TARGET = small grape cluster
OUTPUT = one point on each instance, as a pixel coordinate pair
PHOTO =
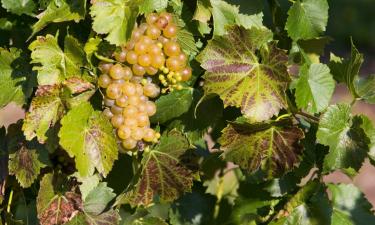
(152, 50)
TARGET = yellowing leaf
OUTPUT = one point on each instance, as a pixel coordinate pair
(115, 18)
(243, 78)
(162, 172)
(270, 148)
(88, 136)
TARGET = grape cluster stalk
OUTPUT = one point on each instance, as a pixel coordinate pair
(150, 59)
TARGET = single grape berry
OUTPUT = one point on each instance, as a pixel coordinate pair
(122, 101)
(124, 132)
(185, 74)
(117, 120)
(116, 109)
(113, 91)
(132, 57)
(120, 56)
(161, 22)
(148, 134)
(137, 133)
(144, 60)
(104, 67)
(153, 32)
(151, 18)
(130, 111)
(129, 143)
(170, 31)
(128, 89)
(104, 80)
(117, 72)
(172, 48)
(138, 70)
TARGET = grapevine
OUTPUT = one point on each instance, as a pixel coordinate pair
(184, 112)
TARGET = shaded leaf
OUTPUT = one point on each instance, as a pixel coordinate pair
(45, 110)
(345, 138)
(19, 7)
(53, 64)
(247, 211)
(115, 18)
(314, 88)
(162, 172)
(186, 40)
(25, 165)
(172, 105)
(307, 19)
(13, 78)
(243, 79)
(271, 148)
(98, 198)
(142, 217)
(79, 219)
(88, 136)
(347, 71)
(60, 11)
(365, 88)
(349, 205)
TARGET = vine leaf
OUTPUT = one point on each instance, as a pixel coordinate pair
(314, 88)
(143, 217)
(56, 205)
(14, 85)
(88, 136)
(268, 147)
(53, 64)
(162, 172)
(243, 79)
(149, 6)
(95, 205)
(348, 145)
(60, 11)
(347, 71)
(25, 165)
(19, 7)
(186, 40)
(115, 18)
(307, 19)
(225, 14)
(45, 110)
(349, 205)
(172, 105)
(365, 88)
(369, 129)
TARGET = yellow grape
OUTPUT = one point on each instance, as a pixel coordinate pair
(122, 101)
(158, 61)
(137, 34)
(121, 56)
(130, 122)
(104, 80)
(143, 98)
(138, 89)
(151, 18)
(172, 48)
(127, 73)
(142, 119)
(142, 107)
(138, 70)
(146, 40)
(154, 49)
(148, 134)
(161, 23)
(117, 72)
(151, 70)
(117, 120)
(104, 67)
(108, 102)
(170, 31)
(128, 89)
(129, 143)
(153, 32)
(140, 47)
(133, 100)
(167, 16)
(144, 60)
(107, 112)
(116, 109)
(185, 74)
(137, 133)
(113, 91)
(124, 132)
(130, 45)
(130, 111)
(150, 108)
(132, 57)
(151, 90)
(143, 27)
(174, 64)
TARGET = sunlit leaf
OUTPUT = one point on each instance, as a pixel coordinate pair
(19, 7)
(243, 78)
(88, 136)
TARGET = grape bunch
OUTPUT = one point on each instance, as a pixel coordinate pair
(151, 58)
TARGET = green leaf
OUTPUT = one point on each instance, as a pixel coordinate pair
(13, 82)
(345, 138)
(88, 136)
(149, 6)
(225, 14)
(54, 65)
(110, 217)
(307, 19)
(369, 129)
(365, 88)
(243, 78)
(347, 71)
(142, 217)
(25, 165)
(162, 173)
(19, 7)
(349, 205)
(186, 40)
(79, 219)
(268, 147)
(115, 18)
(45, 110)
(98, 198)
(60, 11)
(88, 183)
(247, 211)
(314, 88)
(172, 105)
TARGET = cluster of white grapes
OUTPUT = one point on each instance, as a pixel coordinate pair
(129, 88)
